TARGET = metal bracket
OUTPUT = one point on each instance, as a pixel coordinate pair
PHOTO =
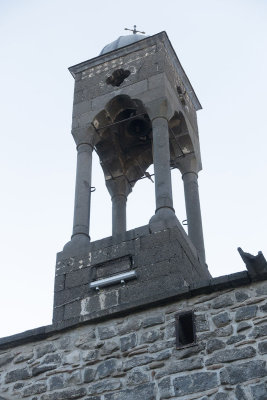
(112, 280)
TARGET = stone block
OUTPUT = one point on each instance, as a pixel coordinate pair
(241, 295)
(246, 312)
(259, 391)
(107, 368)
(194, 383)
(175, 367)
(77, 278)
(23, 357)
(202, 323)
(136, 361)
(136, 377)
(230, 355)
(235, 339)
(223, 301)
(56, 382)
(142, 392)
(67, 394)
(132, 324)
(150, 336)
(240, 393)
(73, 358)
(214, 344)
(262, 347)
(165, 388)
(40, 369)
(128, 342)
(40, 351)
(106, 332)
(51, 359)
(259, 331)
(89, 374)
(243, 326)
(36, 388)
(106, 385)
(17, 375)
(243, 372)
(221, 396)
(221, 319)
(152, 320)
(109, 347)
(59, 283)
(6, 358)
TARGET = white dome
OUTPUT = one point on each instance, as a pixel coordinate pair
(121, 42)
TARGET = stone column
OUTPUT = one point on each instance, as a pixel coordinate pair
(188, 168)
(81, 219)
(85, 139)
(119, 188)
(164, 215)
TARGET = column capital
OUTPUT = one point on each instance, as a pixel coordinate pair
(85, 135)
(119, 186)
(159, 108)
(187, 164)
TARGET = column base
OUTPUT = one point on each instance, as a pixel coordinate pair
(77, 244)
(163, 218)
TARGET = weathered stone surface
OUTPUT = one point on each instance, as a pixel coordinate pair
(244, 325)
(165, 388)
(221, 396)
(246, 312)
(136, 377)
(201, 323)
(36, 388)
(90, 356)
(72, 358)
(259, 331)
(40, 369)
(235, 339)
(106, 332)
(128, 342)
(150, 336)
(221, 319)
(142, 392)
(223, 301)
(130, 325)
(152, 320)
(109, 347)
(6, 358)
(214, 344)
(89, 374)
(224, 331)
(44, 349)
(241, 295)
(107, 368)
(158, 346)
(136, 361)
(190, 351)
(240, 393)
(56, 382)
(67, 394)
(262, 347)
(259, 391)
(242, 372)
(180, 366)
(231, 355)
(23, 357)
(104, 386)
(198, 382)
(17, 375)
(51, 359)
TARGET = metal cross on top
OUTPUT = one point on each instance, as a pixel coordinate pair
(134, 30)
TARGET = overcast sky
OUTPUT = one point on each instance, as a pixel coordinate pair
(222, 47)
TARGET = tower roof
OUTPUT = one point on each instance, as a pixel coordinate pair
(121, 42)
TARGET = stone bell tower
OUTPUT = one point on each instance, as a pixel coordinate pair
(134, 106)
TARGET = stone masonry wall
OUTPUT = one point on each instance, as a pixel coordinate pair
(135, 357)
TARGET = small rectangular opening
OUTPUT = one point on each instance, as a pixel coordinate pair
(185, 328)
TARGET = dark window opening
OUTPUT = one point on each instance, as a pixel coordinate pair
(185, 329)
